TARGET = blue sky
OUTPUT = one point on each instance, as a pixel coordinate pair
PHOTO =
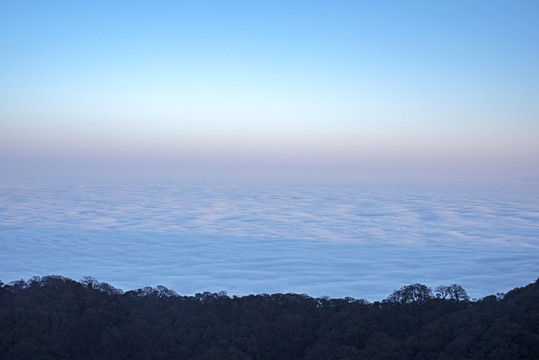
(358, 89)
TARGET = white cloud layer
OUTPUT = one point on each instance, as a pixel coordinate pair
(348, 240)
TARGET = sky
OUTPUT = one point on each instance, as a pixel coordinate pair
(318, 91)
(343, 89)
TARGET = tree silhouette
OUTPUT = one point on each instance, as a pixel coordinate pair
(411, 293)
(442, 291)
(457, 293)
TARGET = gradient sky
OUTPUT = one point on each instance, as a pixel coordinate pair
(385, 89)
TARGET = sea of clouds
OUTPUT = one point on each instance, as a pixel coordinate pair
(359, 240)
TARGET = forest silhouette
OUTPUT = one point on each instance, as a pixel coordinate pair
(54, 317)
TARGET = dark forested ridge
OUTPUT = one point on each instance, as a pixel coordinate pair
(57, 318)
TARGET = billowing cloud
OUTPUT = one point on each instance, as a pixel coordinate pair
(347, 240)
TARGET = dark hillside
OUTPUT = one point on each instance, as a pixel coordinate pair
(58, 318)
